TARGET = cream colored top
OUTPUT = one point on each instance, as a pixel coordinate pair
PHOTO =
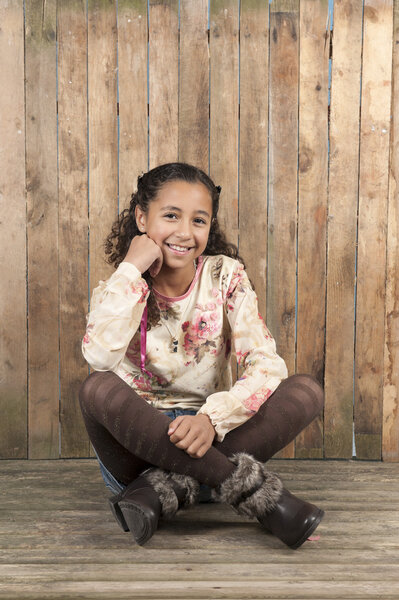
(188, 354)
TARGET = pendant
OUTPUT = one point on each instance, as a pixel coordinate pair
(173, 345)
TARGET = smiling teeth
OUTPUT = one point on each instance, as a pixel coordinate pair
(178, 248)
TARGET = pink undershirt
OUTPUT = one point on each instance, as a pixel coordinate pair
(143, 323)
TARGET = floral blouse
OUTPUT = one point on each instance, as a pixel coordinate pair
(187, 360)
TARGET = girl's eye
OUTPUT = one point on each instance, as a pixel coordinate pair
(170, 216)
(200, 221)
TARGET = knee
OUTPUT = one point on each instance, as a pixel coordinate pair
(313, 387)
(90, 387)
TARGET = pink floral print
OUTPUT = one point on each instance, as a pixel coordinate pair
(255, 401)
(138, 287)
(201, 332)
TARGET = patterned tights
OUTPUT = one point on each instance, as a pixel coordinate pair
(129, 435)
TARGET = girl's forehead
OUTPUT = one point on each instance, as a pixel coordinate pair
(183, 192)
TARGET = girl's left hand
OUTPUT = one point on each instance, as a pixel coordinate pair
(192, 433)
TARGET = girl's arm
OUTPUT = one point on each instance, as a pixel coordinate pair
(117, 306)
(256, 353)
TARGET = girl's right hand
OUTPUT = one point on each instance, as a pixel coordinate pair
(145, 254)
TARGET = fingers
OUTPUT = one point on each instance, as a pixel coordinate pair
(189, 434)
(196, 451)
(174, 424)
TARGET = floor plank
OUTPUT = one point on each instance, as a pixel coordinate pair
(58, 539)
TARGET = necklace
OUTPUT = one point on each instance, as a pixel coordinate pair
(174, 343)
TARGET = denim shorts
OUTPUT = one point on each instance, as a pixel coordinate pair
(116, 486)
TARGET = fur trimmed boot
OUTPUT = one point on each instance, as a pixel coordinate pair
(255, 492)
(153, 494)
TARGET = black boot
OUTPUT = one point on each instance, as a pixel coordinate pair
(257, 493)
(154, 494)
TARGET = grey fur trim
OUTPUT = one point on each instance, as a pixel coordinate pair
(250, 474)
(190, 485)
(159, 479)
(164, 483)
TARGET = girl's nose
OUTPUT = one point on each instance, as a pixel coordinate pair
(183, 231)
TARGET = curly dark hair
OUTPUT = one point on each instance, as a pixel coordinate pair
(148, 185)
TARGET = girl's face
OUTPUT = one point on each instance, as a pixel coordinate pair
(178, 220)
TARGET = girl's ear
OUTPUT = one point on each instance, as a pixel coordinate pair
(141, 219)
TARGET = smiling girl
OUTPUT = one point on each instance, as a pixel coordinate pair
(161, 409)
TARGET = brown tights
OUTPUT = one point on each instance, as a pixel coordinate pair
(129, 435)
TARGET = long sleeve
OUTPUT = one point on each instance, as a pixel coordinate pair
(255, 350)
(116, 309)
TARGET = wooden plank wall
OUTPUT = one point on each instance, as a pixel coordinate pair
(297, 121)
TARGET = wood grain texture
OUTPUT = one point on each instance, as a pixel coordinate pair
(133, 106)
(194, 84)
(103, 132)
(373, 191)
(54, 545)
(283, 159)
(390, 421)
(224, 49)
(164, 78)
(254, 92)
(312, 207)
(342, 223)
(42, 234)
(13, 331)
(73, 219)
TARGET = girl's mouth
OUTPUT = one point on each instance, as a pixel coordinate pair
(176, 249)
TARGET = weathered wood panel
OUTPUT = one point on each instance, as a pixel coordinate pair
(373, 191)
(390, 421)
(103, 131)
(13, 335)
(224, 47)
(342, 223)
(254, 95)
(164, 77)
(42, 234)
(73, 221)
(133, 111)
(283, 160)
(194, 84)
(207, 551)
(312, 202)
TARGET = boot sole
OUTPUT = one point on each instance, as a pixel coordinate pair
(309, 531)
(141, 525)
(116, 511)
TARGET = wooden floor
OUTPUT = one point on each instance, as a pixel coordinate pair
(59, 539)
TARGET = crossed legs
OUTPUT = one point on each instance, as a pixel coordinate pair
(129, 435)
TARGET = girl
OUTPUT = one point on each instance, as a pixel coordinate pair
(160, 409)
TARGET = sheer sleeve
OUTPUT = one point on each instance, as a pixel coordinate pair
(255, 350)
(116, 309)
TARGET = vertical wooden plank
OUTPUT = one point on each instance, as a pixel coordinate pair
(390, 422)
(312, 206)
(164, 81)
(73, 221)
(103, 131)
(42, 197)
(373, 190)
(13, 339)
(133, 106)
(254, 54)
(224, 47)
(342, 219)
(194, 83)
(283, 158)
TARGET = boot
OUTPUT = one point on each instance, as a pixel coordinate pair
(153, 494)
(254, 491)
